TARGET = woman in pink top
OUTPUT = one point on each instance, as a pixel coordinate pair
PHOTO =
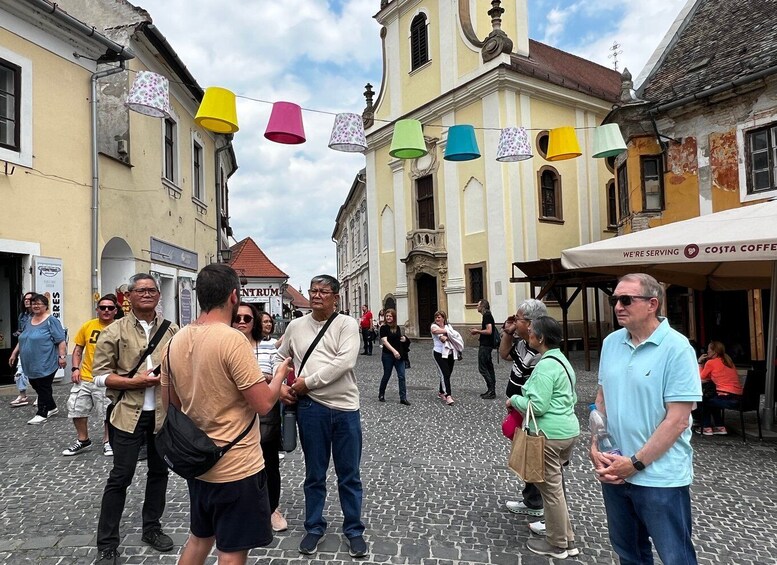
(718, 367)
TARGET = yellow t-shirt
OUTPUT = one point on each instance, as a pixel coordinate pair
(210, 366)
(87, 338)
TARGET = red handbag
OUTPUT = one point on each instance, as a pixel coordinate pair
(512, 422)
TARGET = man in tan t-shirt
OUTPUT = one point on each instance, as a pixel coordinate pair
(210, 373)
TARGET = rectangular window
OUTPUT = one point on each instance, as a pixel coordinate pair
(652, 182)
(198, 181)
(476, 283)
(761, 147)
(612, 205)
(623, 192)
(425, 202)
(10, 105)
(170, 150)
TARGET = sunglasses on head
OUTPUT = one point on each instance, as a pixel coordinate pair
(243, 318)
(626, 299)
(107, 308)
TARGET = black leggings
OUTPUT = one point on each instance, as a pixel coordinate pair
(272, 468)
(43, 386)
(444, 370)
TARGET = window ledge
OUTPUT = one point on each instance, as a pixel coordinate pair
(173, 191)
(546, 220)
(422, 67)
(472, 306)
(202, 208)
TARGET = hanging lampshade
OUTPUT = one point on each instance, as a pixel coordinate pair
(285, 125)
(348, 134)
(408, 140)
(562, 144)
(462, 144)
(218, 111)
(608, 141)
(149, 95)
(513, 145)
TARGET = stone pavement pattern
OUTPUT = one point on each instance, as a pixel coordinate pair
(435, 483)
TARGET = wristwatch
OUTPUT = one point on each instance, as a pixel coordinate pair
(73, 369)
(638, 465)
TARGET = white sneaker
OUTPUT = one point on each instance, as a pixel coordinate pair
(518, 507)
(107, 449)
(37, 420)
(538, 528)
(53, 412)
(281, 456)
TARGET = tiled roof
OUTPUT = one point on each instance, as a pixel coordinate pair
(719, 42)
(570, 71)
(297, 300)
(250, 261)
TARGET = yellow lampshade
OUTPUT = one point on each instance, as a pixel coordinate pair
(218, 111)
(562, 144)
(408, 140)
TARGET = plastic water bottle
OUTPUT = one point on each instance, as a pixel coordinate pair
(289, 425)
(597, 423)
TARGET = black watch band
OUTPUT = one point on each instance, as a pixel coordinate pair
(74, 369)
(638, 465)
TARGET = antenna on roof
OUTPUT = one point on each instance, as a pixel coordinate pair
(616, 50)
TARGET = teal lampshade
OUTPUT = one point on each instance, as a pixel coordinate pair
(408, 140)
(608, 141)
(462, 144)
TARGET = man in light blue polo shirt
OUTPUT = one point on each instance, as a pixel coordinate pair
(648, 385)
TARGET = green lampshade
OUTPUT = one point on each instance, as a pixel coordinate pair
(408, 141)
(608, 141)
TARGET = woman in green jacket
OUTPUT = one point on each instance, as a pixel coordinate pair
(551, 391)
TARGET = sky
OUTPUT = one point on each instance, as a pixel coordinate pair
(320, 54)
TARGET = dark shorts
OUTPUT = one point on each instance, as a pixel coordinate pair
(237, 513)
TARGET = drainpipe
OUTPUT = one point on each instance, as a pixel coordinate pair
(96, 174)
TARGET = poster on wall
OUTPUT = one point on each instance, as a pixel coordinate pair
(49, 280)
(185, 301)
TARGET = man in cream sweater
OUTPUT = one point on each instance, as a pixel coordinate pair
(328, 412)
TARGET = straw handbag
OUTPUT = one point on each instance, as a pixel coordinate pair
(527, 456)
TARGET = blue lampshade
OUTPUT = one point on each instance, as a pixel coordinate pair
(462, 145)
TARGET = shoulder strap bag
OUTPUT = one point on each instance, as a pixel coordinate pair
(289, 420)
(185, 448)
(155, 339)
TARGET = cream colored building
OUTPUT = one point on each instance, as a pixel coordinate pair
(444, 234)
(156, 180)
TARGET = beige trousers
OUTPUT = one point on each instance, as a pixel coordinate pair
(558, 527)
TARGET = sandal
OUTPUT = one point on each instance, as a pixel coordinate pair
(20, 401)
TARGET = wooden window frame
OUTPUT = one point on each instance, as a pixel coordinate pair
(771, 152)
(612, 204)
(624, 210)
(660, 168)
(16, 144)
(544, 134)
(198, 173)
(471, 300)
(170, 149)
(419, 41)
(559, 217)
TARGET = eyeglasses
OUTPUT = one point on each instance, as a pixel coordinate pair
(145, 291)
(319, 292)
(528, 320)
(626, 299)
(107, 308)
(37, 304)
(243, 319)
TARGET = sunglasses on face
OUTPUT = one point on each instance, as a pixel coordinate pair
(107, 308)
(626, 299)
(243, 318)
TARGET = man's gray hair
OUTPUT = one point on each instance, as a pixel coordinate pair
(650, 287)
(531, 308)
(135, 279)
(326, 280)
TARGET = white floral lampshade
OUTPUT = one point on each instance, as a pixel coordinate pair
(150, 95)
(513, 145)
(348, 134)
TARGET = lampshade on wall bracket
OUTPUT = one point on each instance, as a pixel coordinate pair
(218, 111)
(408, 140)
(149, 95)
(562, 144)
(462, 144)
(348, 134)
(608, 141)
(513, 145)
(285, 125)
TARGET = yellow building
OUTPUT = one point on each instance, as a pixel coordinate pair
(445, 234)
(84, 209)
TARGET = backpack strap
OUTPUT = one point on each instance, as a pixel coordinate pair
(557, 360)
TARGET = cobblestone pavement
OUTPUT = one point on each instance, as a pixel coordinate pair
(435, 483)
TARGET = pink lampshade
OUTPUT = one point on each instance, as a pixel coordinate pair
(348, 134)
(285, 125)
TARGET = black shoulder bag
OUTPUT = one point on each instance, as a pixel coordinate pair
(289, 425)
(186, 449)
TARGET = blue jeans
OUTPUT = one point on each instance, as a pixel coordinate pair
(390, 363)
(711, 408)
(325, 432)
(635, 514)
